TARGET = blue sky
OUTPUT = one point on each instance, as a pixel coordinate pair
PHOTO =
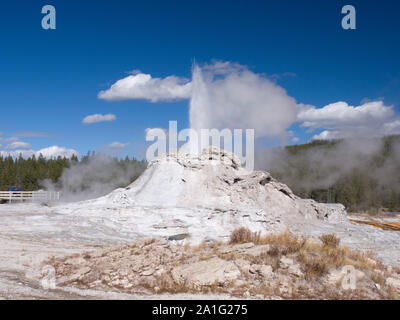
(50, 79)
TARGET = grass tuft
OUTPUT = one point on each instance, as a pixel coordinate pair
(330, 240)
(244, 235)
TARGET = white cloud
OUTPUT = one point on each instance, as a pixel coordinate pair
(118, 145)
(340, 120)
(143, 86)
(49, 152)
(18, 145)
(55, 151)
(17, 153)
(94, 118)
(341, 114)
(326, 135)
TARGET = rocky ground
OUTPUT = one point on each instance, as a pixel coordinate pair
(191, 205)
(274, 267)
(29, 236)
(93, 259)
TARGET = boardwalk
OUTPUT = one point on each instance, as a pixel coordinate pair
(21, 196)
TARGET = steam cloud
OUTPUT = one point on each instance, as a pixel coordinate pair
(95, 177)
(329, 164)
(228, 95)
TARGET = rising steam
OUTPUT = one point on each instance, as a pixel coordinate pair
(94, 177)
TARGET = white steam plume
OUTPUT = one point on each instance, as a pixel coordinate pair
(228, 95)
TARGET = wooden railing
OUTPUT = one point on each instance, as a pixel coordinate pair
(13, 196)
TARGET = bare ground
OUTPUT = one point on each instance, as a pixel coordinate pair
(28, 240)
(35, 237)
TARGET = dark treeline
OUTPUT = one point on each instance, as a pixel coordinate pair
(34, 173)
(364, 175)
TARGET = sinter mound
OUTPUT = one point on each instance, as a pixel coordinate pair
(207, 196)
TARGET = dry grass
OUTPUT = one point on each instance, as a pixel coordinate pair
(316, 259)
(313, 267)
(244, 235)
(330, 240)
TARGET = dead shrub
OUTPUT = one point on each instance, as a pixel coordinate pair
(335, 257)
(330, 240)
(314, 267)
(274, 251)
(243, 235)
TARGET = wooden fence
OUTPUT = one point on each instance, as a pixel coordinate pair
(31, 196)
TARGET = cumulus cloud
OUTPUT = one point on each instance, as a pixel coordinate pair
(95, 118)
(326, 135)
(49, 152)
(117, 145)
(18, 145)
(144, 86)
(55, 151)
(17, 153)
(340, 120)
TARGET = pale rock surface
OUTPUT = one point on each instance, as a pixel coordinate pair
(285, 287)
(295, 270)
(292, 267)
(206, 273)
(243, 265)
(285, 262)
(263, 270)
(394, 282)
(336, 276)
(258, 250)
